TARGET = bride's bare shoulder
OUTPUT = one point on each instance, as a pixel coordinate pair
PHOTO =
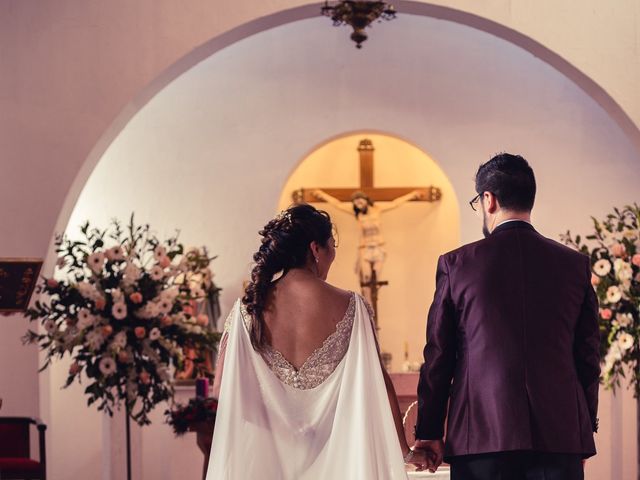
(330, 291)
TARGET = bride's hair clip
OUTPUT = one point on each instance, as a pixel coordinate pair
(285, 215)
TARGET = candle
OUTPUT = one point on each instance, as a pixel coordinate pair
(202, 387)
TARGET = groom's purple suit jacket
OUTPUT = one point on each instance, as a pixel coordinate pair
(512, 347)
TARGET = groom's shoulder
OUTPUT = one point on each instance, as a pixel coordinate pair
(465, 249)
(480, 247)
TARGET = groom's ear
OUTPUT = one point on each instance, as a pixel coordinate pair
(491, 202)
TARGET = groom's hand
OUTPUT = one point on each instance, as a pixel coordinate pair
(434, 451)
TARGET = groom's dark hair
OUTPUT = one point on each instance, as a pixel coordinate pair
(511, 179)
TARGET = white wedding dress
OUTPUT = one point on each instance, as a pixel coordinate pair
(330, 419)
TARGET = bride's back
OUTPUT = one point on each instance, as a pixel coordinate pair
(300, 313)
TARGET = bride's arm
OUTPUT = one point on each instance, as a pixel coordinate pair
(222, 348)
(391, 391)
(395, 410)
(217, 379)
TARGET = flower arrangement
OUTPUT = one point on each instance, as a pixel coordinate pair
(121, 306)
(614, 249)
(199, 409)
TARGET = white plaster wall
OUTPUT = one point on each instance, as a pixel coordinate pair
(69, 67)
(211, 154)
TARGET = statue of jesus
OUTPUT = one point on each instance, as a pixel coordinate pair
(371, 248)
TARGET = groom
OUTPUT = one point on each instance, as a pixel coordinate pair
(512, 346)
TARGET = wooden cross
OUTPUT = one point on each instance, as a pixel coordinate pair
(374, 286)
(429, 194)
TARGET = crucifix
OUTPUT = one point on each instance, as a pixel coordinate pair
(361, 203)
(374, 285)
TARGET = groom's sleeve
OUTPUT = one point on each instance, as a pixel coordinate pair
(439, 360)
(586, 349)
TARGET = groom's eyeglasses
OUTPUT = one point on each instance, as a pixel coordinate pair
(475, 202)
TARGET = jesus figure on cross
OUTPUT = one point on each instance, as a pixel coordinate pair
(371, 248)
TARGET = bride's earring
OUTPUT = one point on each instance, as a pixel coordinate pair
(317, 269)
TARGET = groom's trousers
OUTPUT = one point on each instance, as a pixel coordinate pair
(517, 466)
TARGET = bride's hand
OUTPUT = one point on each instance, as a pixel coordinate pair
(417, 458)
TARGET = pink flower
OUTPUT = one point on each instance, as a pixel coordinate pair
(119, 311)
(123, 356)
(107, 330)
(140, 332)
(52, 283)
(202, 319)
(144, 377)
(606, 314)
(188, 310)
(100, 303)
(595, 280)
(164, 262)
(618, 250)
(636, 259)
(166, 321)
(136, 297)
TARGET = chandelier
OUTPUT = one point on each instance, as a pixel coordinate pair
(359, 14)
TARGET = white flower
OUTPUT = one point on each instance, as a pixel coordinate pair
(197, 292)
(196, 329)
(85, 319)
(159, 252)
(157, 273)
(623, 269)
(615, 351)
(609, 361)
(625, 341)
(154, 334)
(170, 293)
(602, 267)
(131, 274)
(624, 319)
(119, 311)
(107, 366)
(95, 339)
(115, 253)
(50, 326)
(119, 340)
(613, 294)
(96, 262)
(61, 262)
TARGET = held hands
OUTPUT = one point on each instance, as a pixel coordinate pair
(431, 452)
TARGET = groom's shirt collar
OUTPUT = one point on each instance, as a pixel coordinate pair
(513, 220)
(513, 223)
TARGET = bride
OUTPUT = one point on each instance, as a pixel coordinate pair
(302, 391)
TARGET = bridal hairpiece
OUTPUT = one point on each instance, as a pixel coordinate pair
(285, 215)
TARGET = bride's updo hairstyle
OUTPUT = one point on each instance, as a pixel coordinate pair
(285, 245)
